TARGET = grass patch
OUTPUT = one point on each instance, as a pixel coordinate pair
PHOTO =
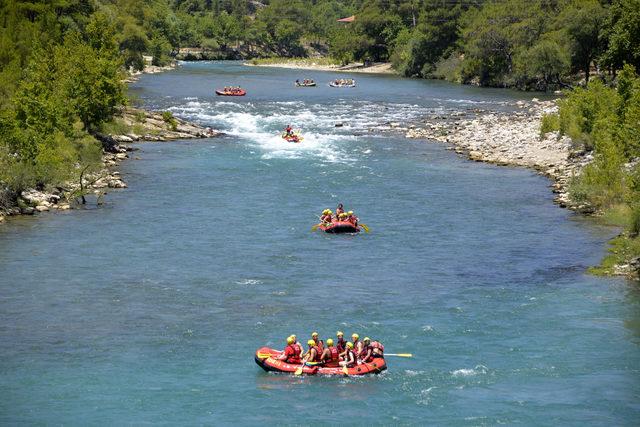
(624, 248)
(116, 126)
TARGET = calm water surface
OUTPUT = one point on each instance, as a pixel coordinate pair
(149, 310)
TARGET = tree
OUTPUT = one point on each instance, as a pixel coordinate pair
(623, 34)
(583, 22)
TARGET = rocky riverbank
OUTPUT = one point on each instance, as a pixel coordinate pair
(510, 139)
(142, 126)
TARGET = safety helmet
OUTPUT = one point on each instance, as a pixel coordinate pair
(339, 334)
(350, 212)
(329, 342)
(290, 340)
(329, 211)
(350, 344)
(355, 336)
(315, 334)
(366, 339)
(311, 343)
(294, 337)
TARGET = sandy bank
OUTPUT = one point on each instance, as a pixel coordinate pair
(377, 68)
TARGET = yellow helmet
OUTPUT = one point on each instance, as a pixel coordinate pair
(350, 212)
(290, 340)
(355, 336)
(294, 337)
(329, 211)
(315, 334)
(350, 344)
(339, 334)
(329, 342)
(311, 343)
(366, 339)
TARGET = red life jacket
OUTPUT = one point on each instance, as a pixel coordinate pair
(320, 346)
(293, 356)
(341, 345)
(334, 354)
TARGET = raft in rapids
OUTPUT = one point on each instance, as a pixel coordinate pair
(239, 92)
(266, 358)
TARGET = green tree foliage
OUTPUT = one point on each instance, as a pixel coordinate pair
(607, 121)
(67, 84)
(622, 34)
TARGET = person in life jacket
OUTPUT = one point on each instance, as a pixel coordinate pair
(312, 354)
(341, 344)
(366, 354)
(326, 216)
(339, 210)
(348, 356)
(330, 355)
(288, 131)
(290, 353)
(357, 345)
(342, 216)
(297, 346)
(377, 349)
(319, 342)
(352, 218)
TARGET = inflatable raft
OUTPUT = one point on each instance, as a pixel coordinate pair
(293, 138)
(240, 92)
(339, 227)
(334, 84)
(266, 358)
(312, 84)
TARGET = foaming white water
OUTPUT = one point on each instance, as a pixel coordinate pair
(262, 125)
(478, 370)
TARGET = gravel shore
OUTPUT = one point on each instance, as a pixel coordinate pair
(510, 139)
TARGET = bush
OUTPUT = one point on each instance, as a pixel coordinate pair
(550, 123)
(168, 118)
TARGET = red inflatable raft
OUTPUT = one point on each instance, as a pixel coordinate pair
(339, 227)
(266, 359)
(240, 92)
(292, 138)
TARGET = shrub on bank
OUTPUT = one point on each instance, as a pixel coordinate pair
(606, 120)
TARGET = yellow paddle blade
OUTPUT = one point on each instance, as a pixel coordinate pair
(315, 227)
(364, 227)
(399, 354)
(263, 355)
(298, 371)
(345, 370)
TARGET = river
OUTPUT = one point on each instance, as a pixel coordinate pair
(149, 309)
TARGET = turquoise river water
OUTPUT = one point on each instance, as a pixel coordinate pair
(149, 309)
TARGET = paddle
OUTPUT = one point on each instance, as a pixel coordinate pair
(264, 355)
(299, 370)
(399, 354)
(364, 227)
(315, 227)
